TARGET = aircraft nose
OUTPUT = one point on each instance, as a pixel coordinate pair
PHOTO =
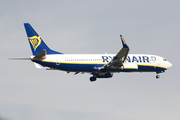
(169, 65)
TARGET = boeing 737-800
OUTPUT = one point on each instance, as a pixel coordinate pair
(98, 65)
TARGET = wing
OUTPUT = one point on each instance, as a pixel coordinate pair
(118, 60)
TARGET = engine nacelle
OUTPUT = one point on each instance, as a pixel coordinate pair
(104, 75)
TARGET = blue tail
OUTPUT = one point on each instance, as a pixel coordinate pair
(35, 41)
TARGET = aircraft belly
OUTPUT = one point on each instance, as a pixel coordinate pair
(150, 68)
(95, 67)
(71, 66)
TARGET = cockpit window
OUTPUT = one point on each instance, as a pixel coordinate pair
(164, 59)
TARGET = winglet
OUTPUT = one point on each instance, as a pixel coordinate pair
(123, 41)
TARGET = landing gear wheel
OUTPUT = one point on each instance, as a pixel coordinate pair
(92, 79)
(157, 76)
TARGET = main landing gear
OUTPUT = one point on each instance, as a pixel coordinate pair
(93, 78)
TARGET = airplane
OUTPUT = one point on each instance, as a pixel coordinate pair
(98, 65)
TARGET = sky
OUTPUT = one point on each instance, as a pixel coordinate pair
(89, 27)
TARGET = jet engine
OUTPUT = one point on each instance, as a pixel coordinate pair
(104, 75)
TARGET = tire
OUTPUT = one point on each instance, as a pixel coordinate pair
(92, 79)
(157, 76)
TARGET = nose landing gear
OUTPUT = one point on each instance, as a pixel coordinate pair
(157, 76)
(157, 72)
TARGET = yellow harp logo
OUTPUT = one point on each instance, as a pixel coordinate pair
(35, 41)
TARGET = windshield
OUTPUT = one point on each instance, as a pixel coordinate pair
(164, 59)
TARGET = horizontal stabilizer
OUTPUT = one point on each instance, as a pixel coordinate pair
(38, 65)
(19, 58)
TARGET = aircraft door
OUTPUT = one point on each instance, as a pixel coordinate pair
(57, 62)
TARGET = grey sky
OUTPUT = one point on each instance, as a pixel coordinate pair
(150, 27)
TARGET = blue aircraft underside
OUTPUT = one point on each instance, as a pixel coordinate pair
(95, 67)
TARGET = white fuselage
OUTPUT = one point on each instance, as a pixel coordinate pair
(93, 62)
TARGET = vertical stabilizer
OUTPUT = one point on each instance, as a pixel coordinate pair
(36, 42)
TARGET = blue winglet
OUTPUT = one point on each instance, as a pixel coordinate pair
(123, 41)
(36, 42)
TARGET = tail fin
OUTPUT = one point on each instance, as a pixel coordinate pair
(35, 41)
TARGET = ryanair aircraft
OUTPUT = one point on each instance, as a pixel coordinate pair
(98, 65)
